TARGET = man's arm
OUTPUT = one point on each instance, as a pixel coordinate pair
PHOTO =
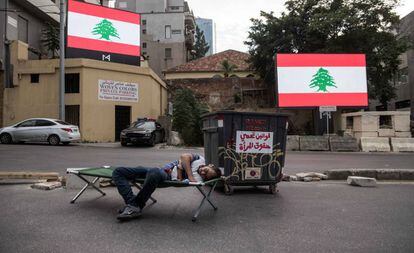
(185, 162)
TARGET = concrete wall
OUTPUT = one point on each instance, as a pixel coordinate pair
(97, 117)
(219, 93)
(195, 75)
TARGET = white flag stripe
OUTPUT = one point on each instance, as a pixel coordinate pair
(82, 26)
(298, 79)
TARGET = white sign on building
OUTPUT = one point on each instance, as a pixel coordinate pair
(117, 91)
(254, 142)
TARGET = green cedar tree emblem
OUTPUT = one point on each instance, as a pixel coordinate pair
(322, 80)
(105, 29)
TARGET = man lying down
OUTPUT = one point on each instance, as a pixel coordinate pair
(190, 168)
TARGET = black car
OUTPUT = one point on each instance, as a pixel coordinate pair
(145, 131)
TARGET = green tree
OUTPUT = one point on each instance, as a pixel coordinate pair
(187, 113)
(228, 68)
(50, 38)
(105, 29)
(332, 26)
(201, 47)
(322, 80)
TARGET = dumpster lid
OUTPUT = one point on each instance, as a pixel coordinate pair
(246, 113)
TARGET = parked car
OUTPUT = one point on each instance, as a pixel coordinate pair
(146, 131)
(53, 131)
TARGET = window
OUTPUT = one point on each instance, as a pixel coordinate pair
(42, 122)
(402, 104)
(144, 22)
(168, 53)
(175, 7)
(72, 83)
(23, 27)
(349, 122)
(123, 5)
(144, 31)
(34, 78)
(27, 123)
(168, 32)
(385, 122)
(176, 31)
(72, 113)
(144, 45)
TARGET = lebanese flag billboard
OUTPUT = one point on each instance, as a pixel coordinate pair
(312, 80)
(102, 33)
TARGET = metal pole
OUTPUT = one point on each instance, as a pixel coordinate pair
(62, 61)
(6, 52)
(328, 114)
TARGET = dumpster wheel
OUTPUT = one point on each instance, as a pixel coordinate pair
(273, 189)
(228, 189)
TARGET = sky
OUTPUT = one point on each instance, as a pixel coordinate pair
(232, 17)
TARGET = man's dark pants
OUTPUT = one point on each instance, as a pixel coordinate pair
(153, 177)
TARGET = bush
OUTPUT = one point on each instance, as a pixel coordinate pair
(187, 117)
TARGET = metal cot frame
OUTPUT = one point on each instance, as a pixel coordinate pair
(106, 172)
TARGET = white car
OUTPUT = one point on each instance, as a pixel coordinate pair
(53, 131)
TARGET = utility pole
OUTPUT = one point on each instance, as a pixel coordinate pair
(62, 61)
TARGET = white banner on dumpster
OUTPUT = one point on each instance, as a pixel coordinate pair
(254, 142)
(117, 91)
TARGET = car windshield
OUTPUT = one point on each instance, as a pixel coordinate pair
(63, 122)
(143, 124)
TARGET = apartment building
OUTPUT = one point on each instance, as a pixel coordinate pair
(209, 29)
(167, 31)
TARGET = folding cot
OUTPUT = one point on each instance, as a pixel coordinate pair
(106, 172)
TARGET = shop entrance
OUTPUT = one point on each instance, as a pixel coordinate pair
(122, 119)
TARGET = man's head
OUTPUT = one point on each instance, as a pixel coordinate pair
(208, 172)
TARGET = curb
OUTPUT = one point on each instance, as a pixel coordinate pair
(379, 174)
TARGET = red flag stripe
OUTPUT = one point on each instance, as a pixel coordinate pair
(322, 99)
(320, 60)
(103, 12)
(104, 46)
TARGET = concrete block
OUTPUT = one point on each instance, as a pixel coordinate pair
(302, 175)
(402, 144)
(292, 142)
(402, 123)
(175, 139)
(369, 122)
(359, 135)
(364, 172)
(386, 133)
(314, 143)
(338, 143)
(307, 179)
(371, 144)
(388, 174)
(362, 181)
(403, 134)
(47, 185)
(407, 174)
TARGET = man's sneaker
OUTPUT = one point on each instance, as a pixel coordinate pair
(130, 212)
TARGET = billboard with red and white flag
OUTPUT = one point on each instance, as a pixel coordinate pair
(102, 33)
(312, 80)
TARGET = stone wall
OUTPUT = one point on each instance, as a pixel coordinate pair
(225, 93)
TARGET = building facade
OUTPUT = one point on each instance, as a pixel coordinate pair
(102, 98)
(209, 29)
(167, 31)
(404, 82)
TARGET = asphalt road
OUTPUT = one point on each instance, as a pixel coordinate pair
(302, 217)
(41, 157)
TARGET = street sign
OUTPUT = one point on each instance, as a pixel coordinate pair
(327, 108)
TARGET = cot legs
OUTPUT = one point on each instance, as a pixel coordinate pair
(88, 183)
(206, 196)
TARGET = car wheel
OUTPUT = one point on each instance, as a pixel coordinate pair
(65, 143)
(124, 143)
(151, 141)
(53, 140)
(5, 138)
